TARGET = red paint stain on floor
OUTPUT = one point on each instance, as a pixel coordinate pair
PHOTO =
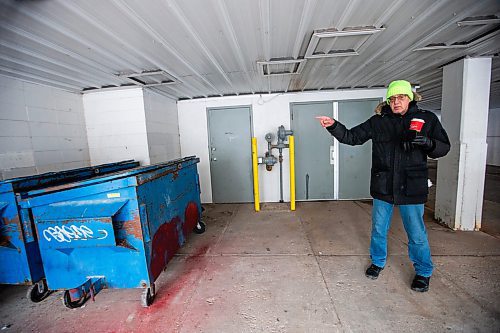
(192, 268)
(173, 295)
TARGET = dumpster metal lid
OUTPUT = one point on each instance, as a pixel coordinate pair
(81, 209)
(51, 173)
(34, 182)
(171, 167)
(113, 176)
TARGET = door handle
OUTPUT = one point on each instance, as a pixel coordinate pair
(332, 155)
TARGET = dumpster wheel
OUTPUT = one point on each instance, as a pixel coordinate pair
(148, 296)
(200, 227)
(73, 304)
(38, 292)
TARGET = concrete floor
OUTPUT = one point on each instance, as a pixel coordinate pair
(282, 271)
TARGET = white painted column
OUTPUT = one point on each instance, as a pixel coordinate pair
(464, 114)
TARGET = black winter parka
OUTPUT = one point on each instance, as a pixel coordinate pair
(397, 176)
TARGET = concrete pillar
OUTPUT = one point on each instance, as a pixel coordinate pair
(464, 114)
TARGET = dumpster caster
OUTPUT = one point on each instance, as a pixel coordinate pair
(39, 291)
(200, 228)
(147, 297)
(73, 304)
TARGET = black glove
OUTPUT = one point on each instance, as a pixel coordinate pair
(423, 142)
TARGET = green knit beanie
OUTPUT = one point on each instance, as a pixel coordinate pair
(399, 87)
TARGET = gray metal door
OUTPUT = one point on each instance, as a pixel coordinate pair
(230, 145)
(355, 161)
(313, 144)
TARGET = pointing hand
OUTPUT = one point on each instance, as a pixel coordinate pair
(325, 121)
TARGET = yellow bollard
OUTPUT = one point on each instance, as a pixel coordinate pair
(291, 145)
(255, 175)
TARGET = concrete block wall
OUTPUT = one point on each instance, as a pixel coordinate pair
(162, 126)
(116, 126)
(41, 129)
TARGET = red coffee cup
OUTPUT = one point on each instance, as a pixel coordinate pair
(416, 124)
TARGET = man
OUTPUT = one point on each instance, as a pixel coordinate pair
(403, 137)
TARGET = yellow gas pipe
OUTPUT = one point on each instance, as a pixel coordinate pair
(291, 145)
(255, 175)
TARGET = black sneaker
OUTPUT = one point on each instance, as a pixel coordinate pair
(373, 271)
(420, 283)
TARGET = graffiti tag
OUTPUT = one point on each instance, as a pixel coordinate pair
(72, 232)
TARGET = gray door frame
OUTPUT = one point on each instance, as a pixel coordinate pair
(335, 143)
(210, 139)
(338, 168)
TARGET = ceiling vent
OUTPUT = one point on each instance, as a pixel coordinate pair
(479, 20)
(442, 46)
(280, 66)
(485, 37)
(150, 78)
(349, 39)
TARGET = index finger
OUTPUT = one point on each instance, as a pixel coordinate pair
(322, 117)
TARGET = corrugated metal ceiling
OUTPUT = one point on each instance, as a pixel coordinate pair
(213, 47)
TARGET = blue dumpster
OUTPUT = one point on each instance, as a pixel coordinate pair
(20, 261)
(115, 231)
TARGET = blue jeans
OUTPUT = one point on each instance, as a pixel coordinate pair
(413, 221)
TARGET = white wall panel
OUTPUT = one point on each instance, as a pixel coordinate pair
(71, 118)
(19, 172)
(21, 143)
(15, 128)
(36, 123)
(71, 131)
(14, 160)
(43, 129)
(42, 143)
(114, 154)
(38, 114)
(49, 157)
(72, 143)
(12, 91)
(38, 96)
(72, 155)
(162, 127)
(116, 127)
(194, 139)
(115, 140)
(13, 110)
